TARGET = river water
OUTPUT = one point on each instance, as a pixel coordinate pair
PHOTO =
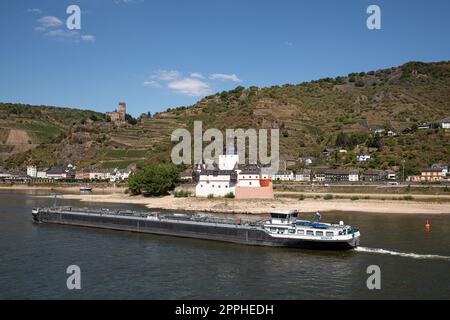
(414, 264)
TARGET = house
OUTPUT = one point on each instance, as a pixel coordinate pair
(442, 167)
(41, 173)
(118, 116)
(445, 123)
(318, 176)
(306, 160)
(83, 174)
(283, 176)
(336, 175)
(391, 133)
(253, 184)
(434, 172)
(216, 182)
(363, 157)
(56, 173)
(122, 174)
(391, 175)
(244, 182)
(99, 174)
(353, 176)
(303, 176)
(428, 175)
(4, 174)
(17, 177)
(32, 171)
(425, 125)
(374, 175)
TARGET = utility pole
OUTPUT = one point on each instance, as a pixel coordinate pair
(403, 170)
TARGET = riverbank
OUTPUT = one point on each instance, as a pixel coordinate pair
(370, 203)
(64, 188)
(266, 206)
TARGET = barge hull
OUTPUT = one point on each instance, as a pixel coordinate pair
(232, 233)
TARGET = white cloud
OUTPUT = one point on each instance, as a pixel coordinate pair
(197, 75)
(152, 83)
(34, 10)
(226, 77)
(190, 86)
(52, 27)
(194, 85)
(49, 22)
(166, 75)
(87, 37)
(63, 34)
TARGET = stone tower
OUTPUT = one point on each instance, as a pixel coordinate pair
(122, 111)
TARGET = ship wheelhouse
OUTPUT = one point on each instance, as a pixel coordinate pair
(287, 224)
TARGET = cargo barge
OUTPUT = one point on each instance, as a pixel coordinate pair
(282, 230)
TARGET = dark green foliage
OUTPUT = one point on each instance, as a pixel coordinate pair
(154, 180)
(130, 119)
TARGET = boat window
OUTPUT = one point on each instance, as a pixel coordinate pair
(273, 229)
(330, 234)
(291, 230)
(301, 231)
(281, 230)
(309, 232)
(319, 233)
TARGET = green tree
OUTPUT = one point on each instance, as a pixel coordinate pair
(130, 119)
(155, 180)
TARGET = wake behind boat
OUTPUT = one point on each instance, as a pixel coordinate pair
(282, 230)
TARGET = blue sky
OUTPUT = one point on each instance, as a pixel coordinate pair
(159, 54)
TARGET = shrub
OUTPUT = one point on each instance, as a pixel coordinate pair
(354, 198)
(210, 196)
(301, 197)
(181, 194)
(328, 197)
(229, 195)
(359, 83)
(408, 197)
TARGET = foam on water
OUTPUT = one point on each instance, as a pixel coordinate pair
(402, 254)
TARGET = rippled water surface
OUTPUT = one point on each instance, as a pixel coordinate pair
(121, 265)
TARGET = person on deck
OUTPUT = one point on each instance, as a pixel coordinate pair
(318, 216)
